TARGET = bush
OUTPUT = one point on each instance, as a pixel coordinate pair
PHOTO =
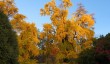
(86, 57)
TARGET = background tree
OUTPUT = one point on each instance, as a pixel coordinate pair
(99, 54)
(8, 41)
(102, 49)
(27, 39)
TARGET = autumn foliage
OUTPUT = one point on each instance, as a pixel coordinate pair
(27, 39)
(63, 40)
(70, 36)
(8, 7)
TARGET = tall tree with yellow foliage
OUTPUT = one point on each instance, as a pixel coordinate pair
(26, 32)
(70, 35)
(27, 39)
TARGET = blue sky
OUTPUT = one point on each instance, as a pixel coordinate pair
(101, 9)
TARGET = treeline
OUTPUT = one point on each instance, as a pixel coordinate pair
(61, 41)
(98, 54)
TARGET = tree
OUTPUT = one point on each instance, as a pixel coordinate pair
(8, 41)
(70, 36)
(27, 39)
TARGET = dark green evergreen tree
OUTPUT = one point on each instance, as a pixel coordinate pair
(8, 42)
